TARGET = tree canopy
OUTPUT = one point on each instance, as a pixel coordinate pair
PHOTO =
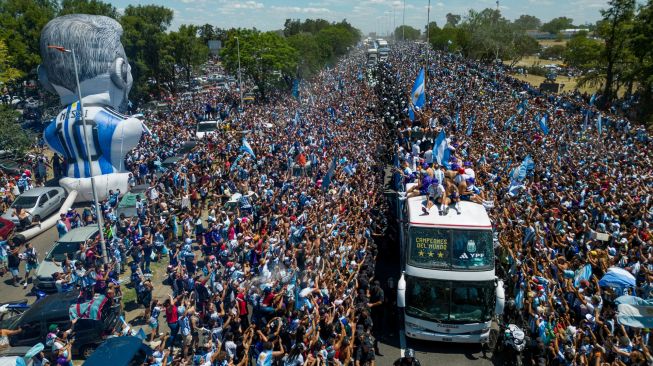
(406, 32)
(527, 22)
(555, 25)
(265, 57)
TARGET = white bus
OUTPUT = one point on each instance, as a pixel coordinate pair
(448, 290)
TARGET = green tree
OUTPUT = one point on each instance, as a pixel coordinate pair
(582, 52)
(527, 22)
(12, 136)
(642, 47)
(188, 50)
(452, 20)
(490, 35)
(555, 25)
(615, 28)
(147, 47)
(21, 22)
(292, 27)
(207, 33)
(406, 32)
(309, 52)
(94, 7)
(431, 28)
(521, 45)
(8, 73)
(266, 58)
(554, 52)
(449, 39)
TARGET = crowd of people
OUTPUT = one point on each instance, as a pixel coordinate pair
(580, 205)
(265, 229)
(268, 228)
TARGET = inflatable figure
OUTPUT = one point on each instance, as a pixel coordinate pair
(105, 80)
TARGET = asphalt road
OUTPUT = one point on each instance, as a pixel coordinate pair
(42, 243)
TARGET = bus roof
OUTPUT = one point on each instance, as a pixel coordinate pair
(472, 216)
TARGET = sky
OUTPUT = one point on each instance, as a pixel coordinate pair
(380, 16)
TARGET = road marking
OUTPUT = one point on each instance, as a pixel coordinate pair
(402, 342)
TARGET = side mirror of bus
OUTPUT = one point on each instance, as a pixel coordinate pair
(500, 299)
(401, 291)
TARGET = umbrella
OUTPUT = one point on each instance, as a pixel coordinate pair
(617, 277)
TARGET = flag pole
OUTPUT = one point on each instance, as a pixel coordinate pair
(428, 40)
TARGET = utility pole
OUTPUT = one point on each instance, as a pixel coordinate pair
(394, 23)
(403, 23)
(428, 40)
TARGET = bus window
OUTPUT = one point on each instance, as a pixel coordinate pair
(470, 303)
(472, 249)
(427, 299)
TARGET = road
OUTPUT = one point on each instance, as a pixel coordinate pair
(42, 244)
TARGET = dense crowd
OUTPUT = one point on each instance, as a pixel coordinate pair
(580, 205)
(266, 228)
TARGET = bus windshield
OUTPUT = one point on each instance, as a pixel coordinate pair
(450, 301)
(450, 249)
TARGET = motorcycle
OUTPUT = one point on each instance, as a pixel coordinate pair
(511, 345)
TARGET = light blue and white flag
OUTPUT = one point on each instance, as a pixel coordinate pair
(441, 149)
(592, 99)
(247, 148)
(509, 122)
(543, 125)
(326, 181)
(521, 108)
(599, 124)
(470, 125)
(418, 97)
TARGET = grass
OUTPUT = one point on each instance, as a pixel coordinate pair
(158, 269)
(569, 85)
(552, 42)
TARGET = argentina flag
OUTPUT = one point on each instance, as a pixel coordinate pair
(247, 148)
(418, 99)
(441, 149)
(543, 125)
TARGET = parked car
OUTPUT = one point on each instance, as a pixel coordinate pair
(6, 228)
(10, 167)
(127, 204)
(119, 351)
(54, 309)
(40, 202)
(206, 128)
(67, 246)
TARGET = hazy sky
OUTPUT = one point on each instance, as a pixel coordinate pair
(366, 15)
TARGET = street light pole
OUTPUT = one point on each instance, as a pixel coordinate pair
(98, 212)
(240, 80)
(403, 23)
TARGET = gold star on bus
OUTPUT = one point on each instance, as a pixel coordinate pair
(421, 253)
(440, 254)
(431, 254)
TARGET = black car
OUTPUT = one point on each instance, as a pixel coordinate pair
(54, 309)
(120, 351)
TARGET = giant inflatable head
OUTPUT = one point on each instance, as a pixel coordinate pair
(104, 73)
(105, 80)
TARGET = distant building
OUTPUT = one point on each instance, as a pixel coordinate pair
(215, 46)
(572, 32)
(540, 35)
